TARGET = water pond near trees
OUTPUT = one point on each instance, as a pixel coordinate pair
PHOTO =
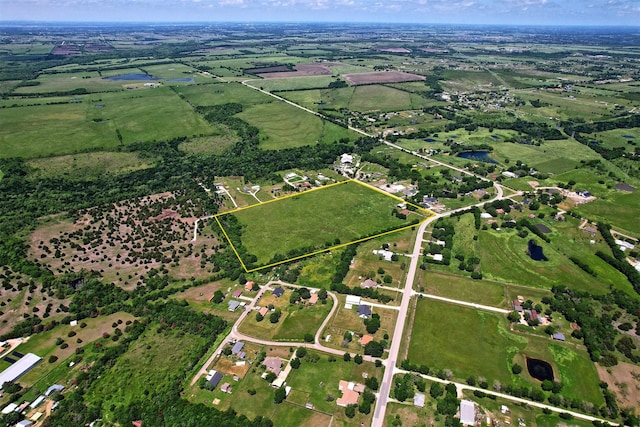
(539, 369)
(481, 156)
(535, 252)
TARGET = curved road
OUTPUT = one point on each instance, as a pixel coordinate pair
(236, 335)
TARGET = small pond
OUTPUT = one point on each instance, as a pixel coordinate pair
(628, 136)
(495, 137)
(535, 252)
(539, 369)
(131, 76)
(429, 140)
(481, 156)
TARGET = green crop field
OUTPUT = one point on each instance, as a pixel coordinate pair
(81, 165)
(285, 126)
(294, 83)
(139, 115)
(350, 211)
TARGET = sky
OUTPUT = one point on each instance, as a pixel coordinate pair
(517, 12)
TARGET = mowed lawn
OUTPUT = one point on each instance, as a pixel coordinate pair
(139, 115)
(620, 209)
(464, 340)
(342, 213)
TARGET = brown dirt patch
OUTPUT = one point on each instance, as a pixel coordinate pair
(124, 240)
(624, 380)
(382, 77)
(228, 366)
(302, 70)
(533, 184)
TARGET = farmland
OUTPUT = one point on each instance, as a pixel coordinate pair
(475, 189)
(356, 210)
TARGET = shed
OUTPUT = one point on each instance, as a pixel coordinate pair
(24, 423)
(37, 402)
(237, 347)
(215, 379)
(467, 412)
(353, 300)
(418, 400)
(278, 292)
(55, 387)
(19, 368)
(558, 336)
(233, 305)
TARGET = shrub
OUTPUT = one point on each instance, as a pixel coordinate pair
(53, 359)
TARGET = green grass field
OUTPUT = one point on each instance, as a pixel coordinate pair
(471, 342)
(503, 257)
(139, 115)
(464, 289)
(447, 336)
(222, 93)
(620, 209)
(81, 165)
(350, 211)
(284, 126)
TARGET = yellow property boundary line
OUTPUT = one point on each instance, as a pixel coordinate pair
(427, 212)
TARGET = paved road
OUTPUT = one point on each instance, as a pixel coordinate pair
(462, 386)
(234, 334)
(387, 380)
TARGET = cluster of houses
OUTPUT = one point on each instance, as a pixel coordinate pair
(28, 406)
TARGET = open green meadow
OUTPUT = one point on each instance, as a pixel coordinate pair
(223, 93)
(447, 336)
(503, 257)
(139, 115)
(462, 288)
(350, 211)
(619, 209)
(284, 126)
(293, 83)
(81, 165)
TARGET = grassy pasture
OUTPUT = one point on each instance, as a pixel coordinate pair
(619, 209)
(503, 257)
(294, 83)
(447, 336)
(63, 82)
(140, 115)
(44, 345)
(81, 165)
(464, 289)
(350, 211)
(216, 143)
(285, 126)
(222, 93)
